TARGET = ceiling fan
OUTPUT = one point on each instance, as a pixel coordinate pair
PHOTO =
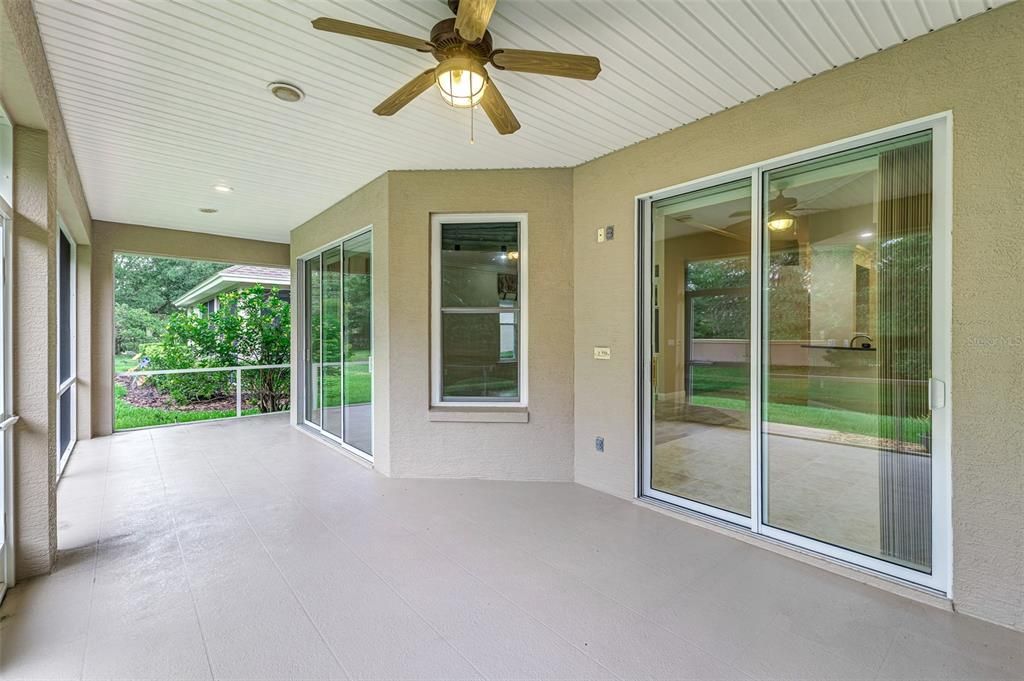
(782, 212)
(462, 46)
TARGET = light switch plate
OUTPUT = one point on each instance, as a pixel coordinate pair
(600, 235)
(602, 352)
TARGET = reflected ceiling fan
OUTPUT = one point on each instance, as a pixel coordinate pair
(782, 212)
(462, 46)
(688, 220)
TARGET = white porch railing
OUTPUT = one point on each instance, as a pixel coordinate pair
(237, 369)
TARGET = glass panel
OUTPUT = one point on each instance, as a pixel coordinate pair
(479, 318)
(479, 356)
(358, 334)
(64, 407)
(3, 367)
(331, 340)
(480, 265)
(64, 273)
(847, 341)
(312, 286)
(701, 346)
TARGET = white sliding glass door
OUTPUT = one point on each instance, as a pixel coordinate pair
(337, 342)
(795, 352)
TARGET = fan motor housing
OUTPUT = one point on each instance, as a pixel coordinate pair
(448, 44)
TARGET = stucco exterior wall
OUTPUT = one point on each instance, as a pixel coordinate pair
(364, 207)
(542, 448)
(33, 338)
(399, 205)
(112, 237)
(976, 70)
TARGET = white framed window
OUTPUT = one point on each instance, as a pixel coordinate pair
(66, 346)
(479, 310)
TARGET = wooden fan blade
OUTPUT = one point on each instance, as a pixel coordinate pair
(497, 109)
(547, 63)
(472, 19)
(371, 33)
(405, 94)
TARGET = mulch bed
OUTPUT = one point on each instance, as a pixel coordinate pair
(147, 395)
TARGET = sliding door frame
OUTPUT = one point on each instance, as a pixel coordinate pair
(302, 321)
(940, 578)
(70, 384)
(7, 576)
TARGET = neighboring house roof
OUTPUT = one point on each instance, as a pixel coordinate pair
(230, 278)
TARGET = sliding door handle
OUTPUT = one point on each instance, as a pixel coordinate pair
(936, 394)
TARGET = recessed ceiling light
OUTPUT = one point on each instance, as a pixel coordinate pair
(208, 210)
(286, 92)
(223, 188)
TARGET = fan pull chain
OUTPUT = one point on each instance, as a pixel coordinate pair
(472, 135)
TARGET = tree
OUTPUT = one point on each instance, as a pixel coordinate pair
(134, 327)
(251, 327)
(153, 284)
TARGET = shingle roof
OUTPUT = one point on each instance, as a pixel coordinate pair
(229, 277)
(264, 274)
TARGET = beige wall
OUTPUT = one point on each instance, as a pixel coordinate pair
(46, 182)
(542, 448)
(407, 441)
(365, 207)
(975, 69)
(33, 339)
(111, 237)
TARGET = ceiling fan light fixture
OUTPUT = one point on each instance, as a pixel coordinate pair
(461, 81)
(781, 221)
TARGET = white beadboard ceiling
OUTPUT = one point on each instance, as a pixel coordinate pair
(163, 100)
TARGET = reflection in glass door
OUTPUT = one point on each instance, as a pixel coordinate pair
(357, 330)
(311, 289)
(847, 350)
(330, 340)
(338, 334)
(701, 347)
(837, 355)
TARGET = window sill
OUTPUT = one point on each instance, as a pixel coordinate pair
(480, 414)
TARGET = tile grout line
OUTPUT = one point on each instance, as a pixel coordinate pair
(888, 651)
(95, 563)
(291, 589)
(181, 554)
(384, 581)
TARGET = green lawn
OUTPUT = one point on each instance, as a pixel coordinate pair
(124, 363)
(827, 402)
(358, 384)
(128, 416)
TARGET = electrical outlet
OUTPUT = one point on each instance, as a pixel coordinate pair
(609, 232)
(599, 443)
(602, 352)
